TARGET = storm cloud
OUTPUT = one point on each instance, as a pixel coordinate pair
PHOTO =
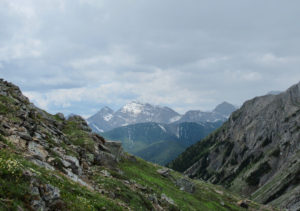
(76, 56)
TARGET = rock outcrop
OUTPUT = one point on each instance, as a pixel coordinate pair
(256, 152)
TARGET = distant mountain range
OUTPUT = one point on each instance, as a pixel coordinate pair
(135, 112)
(156, 133)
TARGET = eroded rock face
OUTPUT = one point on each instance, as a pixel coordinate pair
(256, 152)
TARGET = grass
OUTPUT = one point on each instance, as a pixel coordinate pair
(78, 137)
(14, 188)
(204, 198)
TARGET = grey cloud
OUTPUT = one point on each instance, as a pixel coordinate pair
(191, 54)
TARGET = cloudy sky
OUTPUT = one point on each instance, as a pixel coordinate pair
(76, 56)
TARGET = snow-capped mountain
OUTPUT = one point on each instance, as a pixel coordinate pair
(99, 121)
(135, 112)
(131, 113)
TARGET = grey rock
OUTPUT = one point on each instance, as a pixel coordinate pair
(49, 193)
(186, 184)
(25, 136)
(153, 198)
(42, 164)
(72, 160)
(164, 172)
(167, 199)
(115, 149)
(105, 173)
(105, 159)
(37, 150)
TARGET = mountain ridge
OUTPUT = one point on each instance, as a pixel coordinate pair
(255, 152)
(136, 112)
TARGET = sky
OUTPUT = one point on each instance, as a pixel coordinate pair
(76, 56)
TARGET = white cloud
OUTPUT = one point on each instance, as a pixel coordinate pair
(77, 55)
(116, 56)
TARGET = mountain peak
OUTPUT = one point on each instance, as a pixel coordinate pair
(133, 107)
(106, 109)
(225, 108)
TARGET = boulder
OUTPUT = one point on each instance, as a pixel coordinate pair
(37, 150)
(115, 148)
(164, 172)
(186, 184)
(105, 159)
(167, 199)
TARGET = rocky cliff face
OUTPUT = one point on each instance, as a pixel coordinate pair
(256, 152)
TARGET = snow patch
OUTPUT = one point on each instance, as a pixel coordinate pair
(162, 127)
(108, 117)
(133, 108)
(174, 119)
(98, 129)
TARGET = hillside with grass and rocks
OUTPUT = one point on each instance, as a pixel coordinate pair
(48, 162)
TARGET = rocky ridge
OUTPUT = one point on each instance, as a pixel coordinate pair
(255, 153)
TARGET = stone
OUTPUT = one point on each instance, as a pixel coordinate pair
(186, 184)
(139, 186)
(72, 159)
(167, 199)
(105, 173)
(105, 159)
(25, 136)
(153, 198)
(38, 150)
(38, 204)
(49, 193)
(115, 149)
(17, 141)
(66, 163)
(42, 164)
(164, 172)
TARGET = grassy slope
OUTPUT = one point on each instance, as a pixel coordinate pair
(206, 196)
(14, 189)
(161, 152)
